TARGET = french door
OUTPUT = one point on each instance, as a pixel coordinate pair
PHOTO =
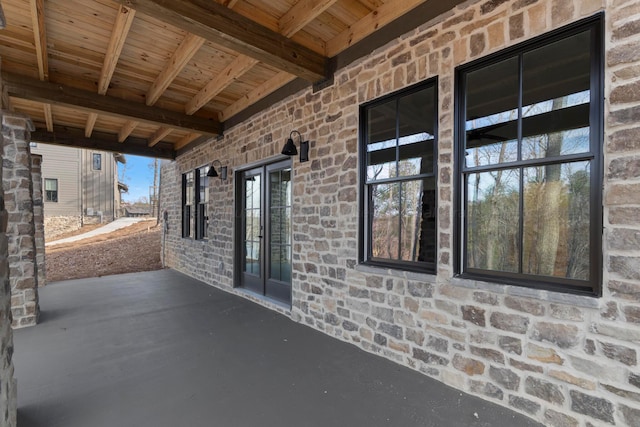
(264, 225)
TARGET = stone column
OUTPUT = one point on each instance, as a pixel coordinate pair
(8, 395)
(18, 189)
(38, 217)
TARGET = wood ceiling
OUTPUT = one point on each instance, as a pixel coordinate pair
(153, 76)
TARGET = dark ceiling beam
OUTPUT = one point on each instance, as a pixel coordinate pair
(72, 137)
(223, 26)
(57, 94)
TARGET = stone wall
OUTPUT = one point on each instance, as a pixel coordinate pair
(38, 217)
(562, 359)
(8, 396)
(19, 202)
(56, 225)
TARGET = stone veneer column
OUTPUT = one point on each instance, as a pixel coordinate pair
(8, 396)
(38, 217)
(18, 188)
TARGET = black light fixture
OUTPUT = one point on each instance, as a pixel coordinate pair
(290, 149)
(214, 173)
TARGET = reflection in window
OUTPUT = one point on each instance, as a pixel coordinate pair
(252, 223)
(280, 225)
(528, 164)
(51, 190)
(400, 187)
(187, 204)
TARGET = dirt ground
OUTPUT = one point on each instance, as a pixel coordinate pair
(128, 250)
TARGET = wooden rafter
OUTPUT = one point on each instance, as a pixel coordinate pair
(189, 46)
(229, 3)
(221, 25)
(373, 21)
(301, 14)
(186, 140)
(40, 38)
(234, 70)
(91, 122)
(48, 117)
(260, 92)
(56, 94)
(160, 133)
(126, 130)
(116, 43)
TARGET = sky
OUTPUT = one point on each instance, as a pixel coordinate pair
(137, 173)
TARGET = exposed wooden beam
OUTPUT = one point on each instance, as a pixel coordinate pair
(260, 92)
(189, 46)
(48, 116)
(91, 122)
(121, 27)
(56, 94)
(126, 130)
(372, 22)
(159, 135)
(230, 3)
(237, 68)
(216, 23)
(301, 14)
(186, 140)
(40, 38)
(100, 141)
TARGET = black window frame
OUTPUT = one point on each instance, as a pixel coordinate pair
(592, 287)
(51, 196)
(188, 228)
(365, 256)
(201, 215)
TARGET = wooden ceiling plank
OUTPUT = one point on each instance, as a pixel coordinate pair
(126, 130)
(237, 68)
(370, 23)
(72, 137)
(260, 92)
(48, 117)
(189, 46)
(91, 122)
(159, 135)
(222, 26)
(57, 94)
(186, 140)
(119, 34)
(40, 38)
(301, 14)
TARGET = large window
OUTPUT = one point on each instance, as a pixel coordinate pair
(398, 158)
(187, 204)
(51, 190)
(529, 161)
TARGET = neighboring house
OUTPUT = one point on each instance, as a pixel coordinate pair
(79, 186)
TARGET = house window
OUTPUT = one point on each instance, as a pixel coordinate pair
(202, 200)
(529, 161)
(398, 161)
(51, 190)
(187, 204)
(97, 161)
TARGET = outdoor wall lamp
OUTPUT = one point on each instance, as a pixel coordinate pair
(291, 150)
(214, 173)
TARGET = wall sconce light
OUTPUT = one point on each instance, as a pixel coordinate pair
(214, 173)
(290, 149)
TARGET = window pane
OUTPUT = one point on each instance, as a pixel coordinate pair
(385, 224)
(556, 220)
(416, 124)
(418, 220)
(381, 141)
(556, 93)
(51, 184)
(491, 114)
(493, 200)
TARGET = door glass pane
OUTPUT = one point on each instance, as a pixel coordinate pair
(280, 225)
(555, 83)
(556, 220)
(493, 200)
(491, 114)
(252, 221)
(381, 141)
(416, 125)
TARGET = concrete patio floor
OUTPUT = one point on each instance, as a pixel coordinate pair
(162, 349)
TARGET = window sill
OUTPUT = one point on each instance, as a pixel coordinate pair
(405, 274)
(519, 291)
